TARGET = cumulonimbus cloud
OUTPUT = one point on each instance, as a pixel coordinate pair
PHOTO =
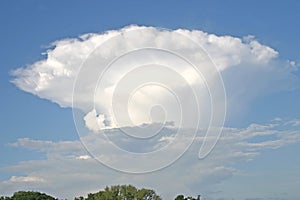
(249, 69)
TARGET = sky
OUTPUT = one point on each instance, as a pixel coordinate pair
(67, 68)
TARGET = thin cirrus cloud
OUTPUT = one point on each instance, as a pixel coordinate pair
(249, 70)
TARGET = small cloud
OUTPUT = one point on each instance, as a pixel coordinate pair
(277, 119)
(26, 179)
(83, 157)
(94, 121)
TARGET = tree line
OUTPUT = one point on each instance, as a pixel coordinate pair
(118, 192)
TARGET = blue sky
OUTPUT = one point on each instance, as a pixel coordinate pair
(29, 27)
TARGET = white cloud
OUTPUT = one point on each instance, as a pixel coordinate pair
(27, 179)
(69, 171)
(294, 122)
(249, 69)
(93, 121)
(83, 157)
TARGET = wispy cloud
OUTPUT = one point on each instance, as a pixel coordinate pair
(69, 170)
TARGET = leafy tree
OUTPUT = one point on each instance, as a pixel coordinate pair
(30, 195)
(181, 197)
(5, 198)
(79, 198)
(123, 192)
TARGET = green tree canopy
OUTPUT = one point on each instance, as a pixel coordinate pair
(181, 197)
(122, 192)
(30, 195)
(118, 192)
